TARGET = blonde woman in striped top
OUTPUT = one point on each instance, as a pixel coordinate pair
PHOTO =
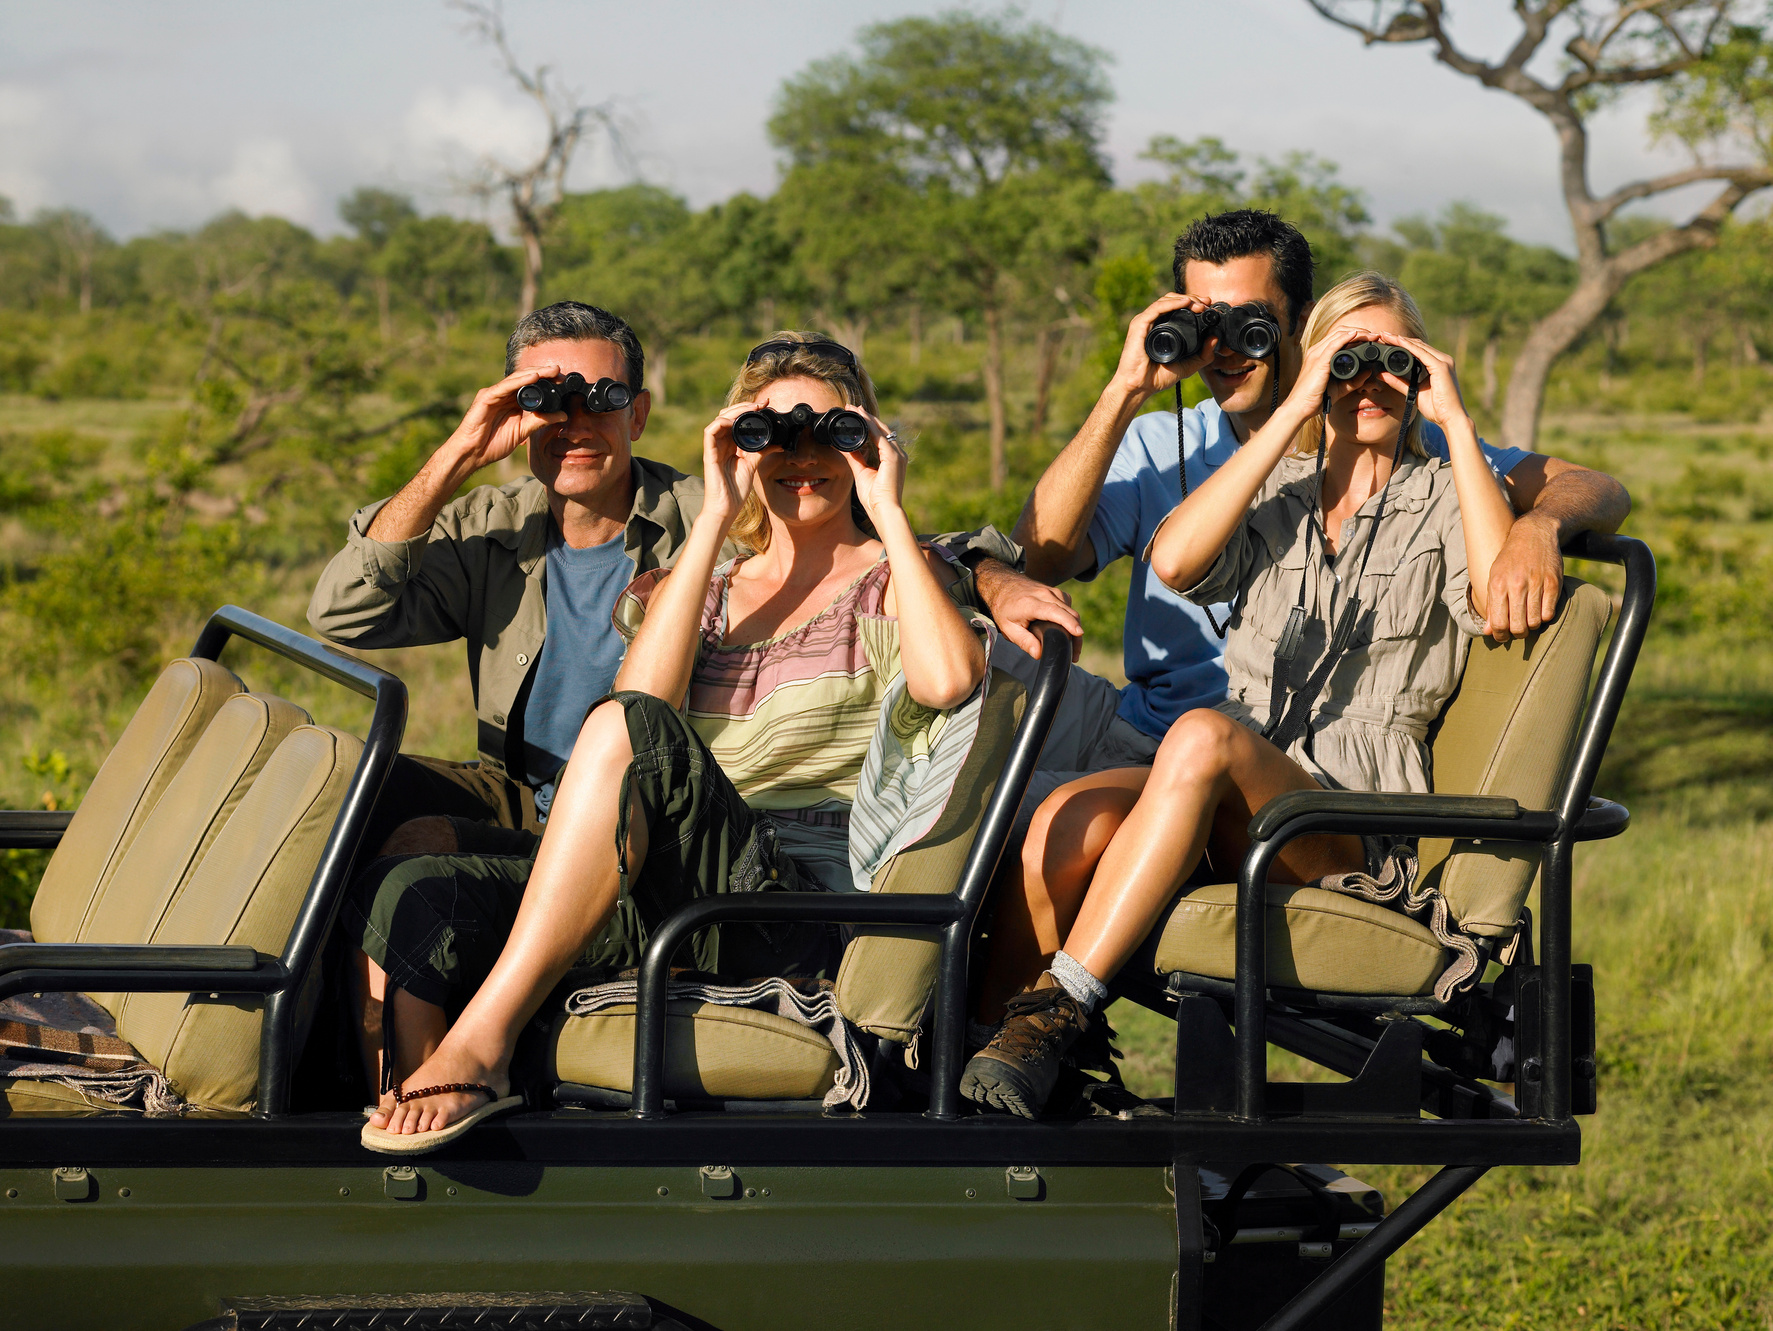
(729, 755)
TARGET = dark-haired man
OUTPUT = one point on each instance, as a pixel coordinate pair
(1103, 496)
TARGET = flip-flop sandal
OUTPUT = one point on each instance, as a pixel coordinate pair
(418, 1143)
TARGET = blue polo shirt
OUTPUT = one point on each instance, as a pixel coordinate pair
(1173, 659)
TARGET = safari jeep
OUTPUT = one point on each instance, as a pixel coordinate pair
(674, 1167)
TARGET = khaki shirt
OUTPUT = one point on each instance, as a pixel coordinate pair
(480, 574)
(1370, 725)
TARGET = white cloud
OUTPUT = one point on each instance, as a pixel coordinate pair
(459, 129)
(266, 179)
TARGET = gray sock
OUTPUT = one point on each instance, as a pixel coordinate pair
(1089, 992)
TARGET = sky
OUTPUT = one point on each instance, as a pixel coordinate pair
(160, 116)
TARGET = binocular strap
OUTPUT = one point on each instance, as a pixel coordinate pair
(1287, 722)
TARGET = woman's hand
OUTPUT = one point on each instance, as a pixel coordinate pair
(728, 471)
(880, 488)
(1437, 393)
(1311, 389)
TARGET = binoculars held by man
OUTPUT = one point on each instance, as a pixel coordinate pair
(1359, 356)
(546, 395)
(839, 428)
(1249, 330)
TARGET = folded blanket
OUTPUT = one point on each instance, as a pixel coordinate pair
(810, 1003)
(69, 1039)
(1397, 887)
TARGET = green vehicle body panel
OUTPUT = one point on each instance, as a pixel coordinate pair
(158, 1249)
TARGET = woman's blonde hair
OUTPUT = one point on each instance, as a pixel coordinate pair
(851, 383)
(1350, 294)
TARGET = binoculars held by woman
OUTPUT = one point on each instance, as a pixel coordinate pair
(839, 428)
(546, 395)
(1358, 356)
(1249, 330)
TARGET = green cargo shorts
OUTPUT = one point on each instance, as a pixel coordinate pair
(437, 923)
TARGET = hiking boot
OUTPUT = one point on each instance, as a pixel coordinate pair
(1017, 1070)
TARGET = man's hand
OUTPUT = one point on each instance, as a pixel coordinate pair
(1016, 602)
(1525, 580)
(1137, 374)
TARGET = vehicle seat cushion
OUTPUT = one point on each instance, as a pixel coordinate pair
(884, 979)
(1317, 940)
(710, 1051)
(247, 891)
(1509, 731)
(187, 818)
(21, 1098)
(149, 753)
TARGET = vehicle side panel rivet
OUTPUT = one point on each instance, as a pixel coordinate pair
(344, 1192)
(450, 1191)
(12, 1192)
(664, 1192)
(123, 1192)
(971, 1193)
(766, 1192)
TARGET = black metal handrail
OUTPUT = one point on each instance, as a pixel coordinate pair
(33, 829)
(1575, 816)
(952, 913)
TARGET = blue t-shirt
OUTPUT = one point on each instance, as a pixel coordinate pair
(580, 654)
(1174, 660)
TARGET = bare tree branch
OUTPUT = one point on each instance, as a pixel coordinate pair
(1752, 177)
(534, 191)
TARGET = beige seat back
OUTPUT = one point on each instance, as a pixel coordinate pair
(187, 818)
(247, 891)
(146, 757)
(885, 977)
(1509, 731)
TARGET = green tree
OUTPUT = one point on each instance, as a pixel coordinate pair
(640, 252)
(441, 263)
(983, 117)
(375, 215)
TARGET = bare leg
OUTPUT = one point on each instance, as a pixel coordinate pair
(1210, 773)
(571, 894)
(431, 835)
(419, 1027)
(1038, 894)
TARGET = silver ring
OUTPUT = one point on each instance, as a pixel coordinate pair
(891, 437)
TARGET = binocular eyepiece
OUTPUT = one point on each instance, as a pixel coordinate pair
(1249, 330)
(839, 428)
(546, 395)
(1359, 356)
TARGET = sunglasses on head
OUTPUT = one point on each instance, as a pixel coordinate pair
(835, 350)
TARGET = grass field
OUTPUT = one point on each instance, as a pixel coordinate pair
(1668, 1222)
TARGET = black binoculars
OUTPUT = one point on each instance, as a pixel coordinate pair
(1358, 356)
(1249, 330)
(840, 428)
(556, 395)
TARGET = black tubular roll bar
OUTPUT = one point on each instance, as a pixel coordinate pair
(176, 968)
(1575, 817)
(952, 913)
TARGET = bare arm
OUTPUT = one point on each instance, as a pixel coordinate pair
(493, 428)
(663, 654)
(943, 659)
(1054, 528)
(1555, 500)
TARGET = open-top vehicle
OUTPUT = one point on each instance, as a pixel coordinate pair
(676, 1166)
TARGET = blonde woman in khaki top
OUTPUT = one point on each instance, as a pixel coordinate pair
(1287, 542)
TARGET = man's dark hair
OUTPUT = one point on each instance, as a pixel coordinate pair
(1219, 238)
(572, 321)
